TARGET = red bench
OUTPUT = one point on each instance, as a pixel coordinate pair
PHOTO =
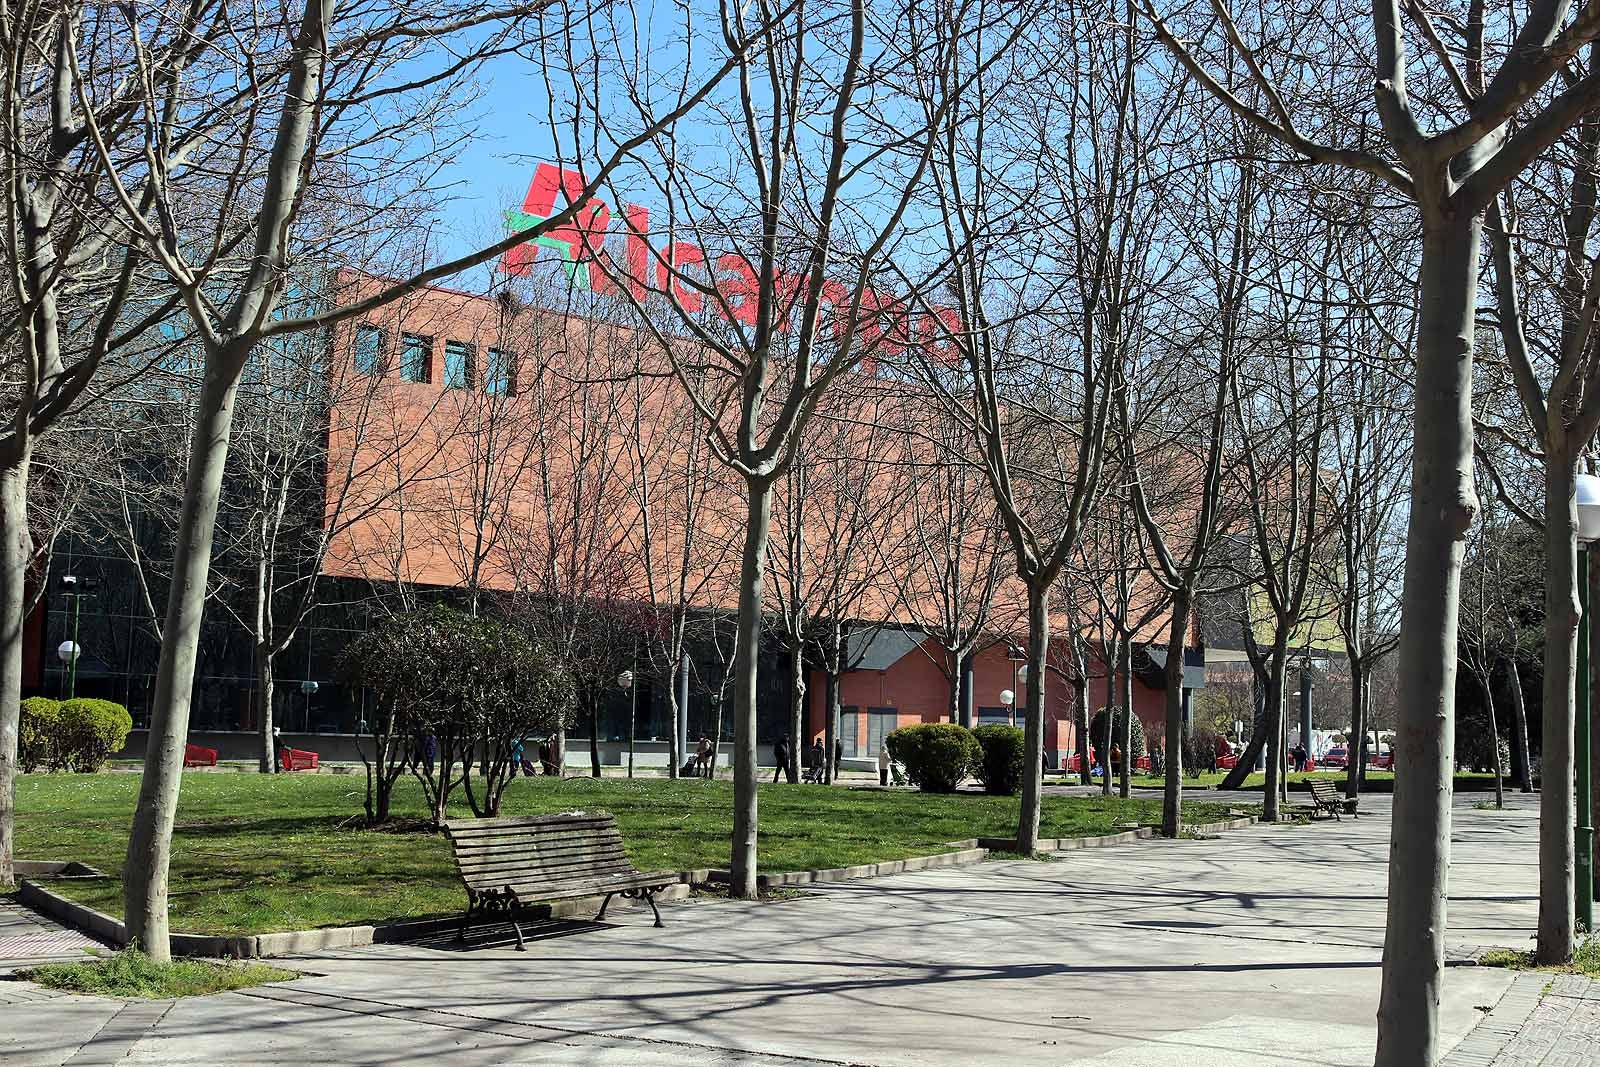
(297, 759)
(199, 756)
(1227, 763)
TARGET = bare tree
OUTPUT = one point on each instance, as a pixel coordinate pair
(1485, 129)
(360, 108)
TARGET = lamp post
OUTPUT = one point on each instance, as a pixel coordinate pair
(625, 681)
(308, 687)
(74, 589)
(1009, 699)
(1587, 491)
(68, 654)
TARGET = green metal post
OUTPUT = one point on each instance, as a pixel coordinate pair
(72, 667)
(1584, 834)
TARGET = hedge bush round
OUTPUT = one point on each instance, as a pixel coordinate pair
(90, 730)
(937, 755)
(1003, 761)
(37, 733)
(1097, 731)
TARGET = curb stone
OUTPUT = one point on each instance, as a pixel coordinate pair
(284, 943)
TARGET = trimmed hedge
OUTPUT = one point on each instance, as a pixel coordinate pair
(91, 730)
(77, 734)
(937, 755)
(1003, 761)
(37, 733)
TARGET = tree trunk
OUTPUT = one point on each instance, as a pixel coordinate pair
(1494, 739)
(1358, 727)
(835, 718)
(594, 735)
(1172, 787)
(1557, 815)
(1111, 657)
(16, 549)
(1084, 740)
(1442, 508)
(752, 582)
(1271, 806)
(1033, 725)
(1519, 727)
(797, 706)
(1125, 776)
(266, 762)
(144, 882)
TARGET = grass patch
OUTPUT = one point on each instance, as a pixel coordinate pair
(1585, 959)
(261, 853)
(130, 973)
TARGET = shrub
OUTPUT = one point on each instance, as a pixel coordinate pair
(38, 732)
(937, 755)
(90, 731)
(1102, 746)
(1004, 758)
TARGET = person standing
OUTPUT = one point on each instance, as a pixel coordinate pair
(883, 763)
(780, 755)
(703, 757)
(819, 762)
(838, 756)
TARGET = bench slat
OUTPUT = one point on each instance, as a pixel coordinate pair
(586, 887)
(531, 824)
(479, 844)
(551, 872)
(536, 861)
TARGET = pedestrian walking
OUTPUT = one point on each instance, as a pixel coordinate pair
(838, 754)
(883, 763)
(780, 754)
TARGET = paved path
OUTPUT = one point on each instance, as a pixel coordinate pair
(28, 939)
(1259, 948)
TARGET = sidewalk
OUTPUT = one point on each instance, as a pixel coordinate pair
(1257, 949)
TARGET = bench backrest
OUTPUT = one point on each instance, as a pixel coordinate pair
(1324, 791)
(538, 852)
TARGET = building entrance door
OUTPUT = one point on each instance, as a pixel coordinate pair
(850, 729)
(880, 723)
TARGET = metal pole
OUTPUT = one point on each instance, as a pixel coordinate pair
(1584, 831)
(633, 719)
(682, 754)
(1305, 710)
(966, 690)
(72, 667)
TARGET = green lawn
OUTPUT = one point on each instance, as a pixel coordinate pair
(259, 853)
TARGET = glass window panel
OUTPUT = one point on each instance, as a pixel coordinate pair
(457, 365)
(369, 349)
(499, 380)
(416, 353)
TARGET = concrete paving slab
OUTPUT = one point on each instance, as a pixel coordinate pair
(1262, 946)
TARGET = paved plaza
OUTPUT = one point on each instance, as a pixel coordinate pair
(1259, 947)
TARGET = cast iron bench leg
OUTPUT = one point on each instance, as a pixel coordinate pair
(512, 915)
(466, 917)
(650, 898)
(604, 904)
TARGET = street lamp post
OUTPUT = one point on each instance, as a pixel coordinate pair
(1009, 699)
(1587, 491)
(308, 687)
(625, 681)
(74, 589)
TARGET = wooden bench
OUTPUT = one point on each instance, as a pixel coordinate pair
(508, 865)
(297, 759)
(1325, 797)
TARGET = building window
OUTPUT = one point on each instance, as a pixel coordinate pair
(416, 355)
(457, 365)
(500, 379)
(369, 350)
